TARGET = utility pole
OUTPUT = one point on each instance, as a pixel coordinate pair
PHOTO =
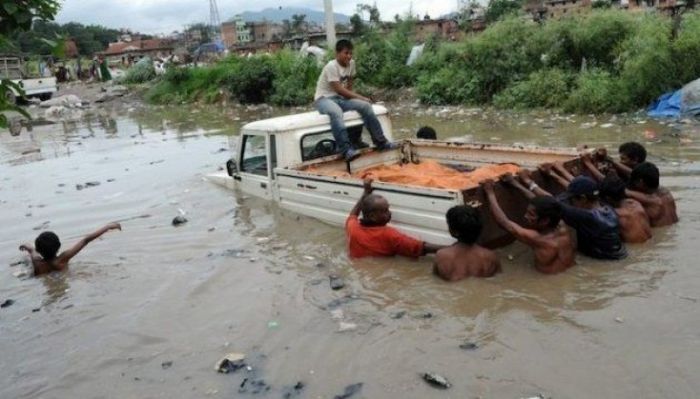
(214, 20)
(330, 24)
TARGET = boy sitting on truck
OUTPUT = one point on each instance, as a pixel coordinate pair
(465, 258)
(550, 240)
(371, 236)
(334, 96)
(47, 246)
(657, 201)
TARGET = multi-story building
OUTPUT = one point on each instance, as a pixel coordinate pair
(266, 31)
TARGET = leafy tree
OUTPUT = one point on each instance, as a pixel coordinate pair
(16, 16)
(299, 23)
(500, 8)
(357, 25)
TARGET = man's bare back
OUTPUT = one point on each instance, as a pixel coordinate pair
(460, 261)
(554, 251)
(634, 221)
(659, 205)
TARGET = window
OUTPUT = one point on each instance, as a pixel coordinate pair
(254, 155)
(322, 144)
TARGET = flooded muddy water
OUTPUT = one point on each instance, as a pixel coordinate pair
(148, 311)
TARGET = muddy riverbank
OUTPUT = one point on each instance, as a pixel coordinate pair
(245, 276)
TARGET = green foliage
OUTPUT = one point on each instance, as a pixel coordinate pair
(547, 88)
(597, 91)
(498, 9)
(647, 64)
(686, 47)
(141, 72)
(597, 36)
(17, 16)
(252, 82)
(88, 39)
(449, 86)
(295, 78)
(382, 62)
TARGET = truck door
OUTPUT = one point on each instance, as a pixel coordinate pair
(254, 175)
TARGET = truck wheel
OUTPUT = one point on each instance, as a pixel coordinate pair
(45, 96)
(10, 97)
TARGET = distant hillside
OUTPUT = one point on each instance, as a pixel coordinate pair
(282, 13)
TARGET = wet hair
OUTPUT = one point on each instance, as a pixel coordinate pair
(634, 151)
(648, 173)
(426, 133)
(47, 244)
(547, 207)
(465, 224)
(612, 189)
(343, 44)
(369, 204)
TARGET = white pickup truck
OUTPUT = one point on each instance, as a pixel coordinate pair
(292, 160)
(11, 68)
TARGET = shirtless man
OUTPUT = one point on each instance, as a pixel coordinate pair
(634, 221)
(465, 258)
(550, 240)
(631, 155)
(657, 201)
(47, 244)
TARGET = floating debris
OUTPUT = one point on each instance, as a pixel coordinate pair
(345, 327)
(178, 220)
(166, 365)
(398, 315)
(336, 282)
(469, 346)
(350, 390)
(436, 380)
(7, 303)
(230, 363)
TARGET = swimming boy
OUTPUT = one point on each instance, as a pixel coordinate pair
(550, 240)
(372, 237)
(597, 225)
(44, 258)
(657, 201)
(465, 258)
(334, 96)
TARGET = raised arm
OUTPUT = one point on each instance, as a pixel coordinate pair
(548, 170)
(622, 169)
(559, 168)
(367, 185)
(520, 233)
(644, 199)
(532, 187)
(587, 161)
(70, 253)
(513, 182)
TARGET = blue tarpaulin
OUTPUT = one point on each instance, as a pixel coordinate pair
(681, 103)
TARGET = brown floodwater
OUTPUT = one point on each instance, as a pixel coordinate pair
(244, 276)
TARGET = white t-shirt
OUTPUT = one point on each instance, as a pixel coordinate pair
(333, 72)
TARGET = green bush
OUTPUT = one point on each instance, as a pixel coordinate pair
(597, 91)
(295, 78)
(141, 72)
(598, 35)
(647, 66)
(252, 81)
(686, 47)
(548, 88)
(449, 86)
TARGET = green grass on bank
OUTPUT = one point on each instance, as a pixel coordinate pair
(603, 61)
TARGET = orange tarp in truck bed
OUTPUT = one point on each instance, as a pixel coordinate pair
(431, 174)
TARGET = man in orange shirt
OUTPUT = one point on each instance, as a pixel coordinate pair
(371, 236)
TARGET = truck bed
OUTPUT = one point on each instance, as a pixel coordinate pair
(325, 189)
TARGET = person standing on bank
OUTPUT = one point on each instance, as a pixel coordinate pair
(334, 96)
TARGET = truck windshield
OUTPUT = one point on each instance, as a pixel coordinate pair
(254, 155)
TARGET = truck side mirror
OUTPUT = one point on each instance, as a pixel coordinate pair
(232, 167)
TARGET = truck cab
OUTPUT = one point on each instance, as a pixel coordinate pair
(11, 68)
(283, 142)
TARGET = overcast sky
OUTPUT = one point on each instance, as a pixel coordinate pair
(165, 16)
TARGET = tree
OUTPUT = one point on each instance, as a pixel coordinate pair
(357, 25)
(299, 24)
(286, 29)
(497, 9)
(17, 16)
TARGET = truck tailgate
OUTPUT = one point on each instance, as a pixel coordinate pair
(419, 212)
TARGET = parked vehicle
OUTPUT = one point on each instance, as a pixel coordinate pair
(291, 160)
(11, 68)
